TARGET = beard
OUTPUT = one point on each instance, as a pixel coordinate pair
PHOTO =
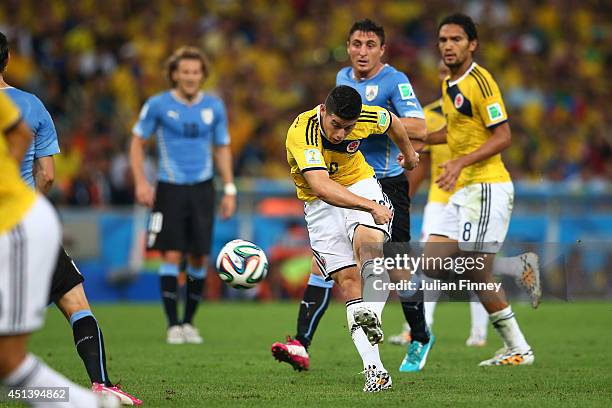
(455, 64)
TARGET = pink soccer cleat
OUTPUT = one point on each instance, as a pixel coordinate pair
(292, 352)
(124, 397)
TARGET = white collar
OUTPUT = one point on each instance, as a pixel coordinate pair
(180, 100)
(466, 73)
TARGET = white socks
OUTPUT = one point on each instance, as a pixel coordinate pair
(506, 325)
(34, 373)
(479, 317)
(369, 353)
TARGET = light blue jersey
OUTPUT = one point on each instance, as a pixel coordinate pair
(390, 89)
(185, 135)
(38, 119)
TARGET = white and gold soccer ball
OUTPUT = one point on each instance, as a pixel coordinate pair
(242, 264)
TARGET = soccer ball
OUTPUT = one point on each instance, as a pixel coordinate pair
(242, 264)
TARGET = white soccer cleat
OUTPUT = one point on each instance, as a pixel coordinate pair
(403, 338)
(376, 380)
(191, 334)
(370, 323)
(510, 358)
(476, 339)
(530, 277)
(175, 335)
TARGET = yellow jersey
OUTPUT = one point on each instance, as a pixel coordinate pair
(309, 149)
(16, 197)
(439, 153)
(473, 106)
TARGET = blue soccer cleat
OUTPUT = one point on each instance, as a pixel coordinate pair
(416, 356)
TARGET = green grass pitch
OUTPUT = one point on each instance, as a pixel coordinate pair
(234, 366)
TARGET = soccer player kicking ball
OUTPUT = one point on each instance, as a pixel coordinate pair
(67, 292)
(475, 220)
(345, 209)
(381, 85)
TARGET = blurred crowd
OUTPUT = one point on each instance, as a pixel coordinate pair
(94, 62)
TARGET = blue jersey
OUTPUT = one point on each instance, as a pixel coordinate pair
(390, 89)
(38, 119)
(185, 135)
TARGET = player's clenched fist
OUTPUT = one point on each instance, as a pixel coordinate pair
(408, 163)
(381, 214)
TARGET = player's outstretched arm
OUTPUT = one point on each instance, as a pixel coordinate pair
(223, 161)
(415, 127)
(144, 191)
(43, 171)
(397, 133)
(18, 137)
(437, 137)
(337, 195)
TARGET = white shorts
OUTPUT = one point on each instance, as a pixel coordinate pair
(432, 213)
(28, 254)
(331, 228)
(477, 216)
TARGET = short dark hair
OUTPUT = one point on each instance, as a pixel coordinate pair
(344, 102)
(181, 53)
(4, 52)
(368, 26)
(462, 20)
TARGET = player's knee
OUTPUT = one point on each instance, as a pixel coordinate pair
(173, 257)
(73, 301)
(368, 251)
(349, 282)
(368, 243)
(314, 268)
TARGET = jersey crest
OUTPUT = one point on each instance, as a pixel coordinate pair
(371, 92)
(353, 146)
(460, 102)
(207, 116)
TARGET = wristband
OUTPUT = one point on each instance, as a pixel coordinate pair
(230, 189)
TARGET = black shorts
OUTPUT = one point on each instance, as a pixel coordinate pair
(396, 188)
(65, 277)
(182, 218)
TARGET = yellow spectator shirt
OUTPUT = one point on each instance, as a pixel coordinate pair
(16, 197)
(434, 120)
(309, 149)
(473, 106)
